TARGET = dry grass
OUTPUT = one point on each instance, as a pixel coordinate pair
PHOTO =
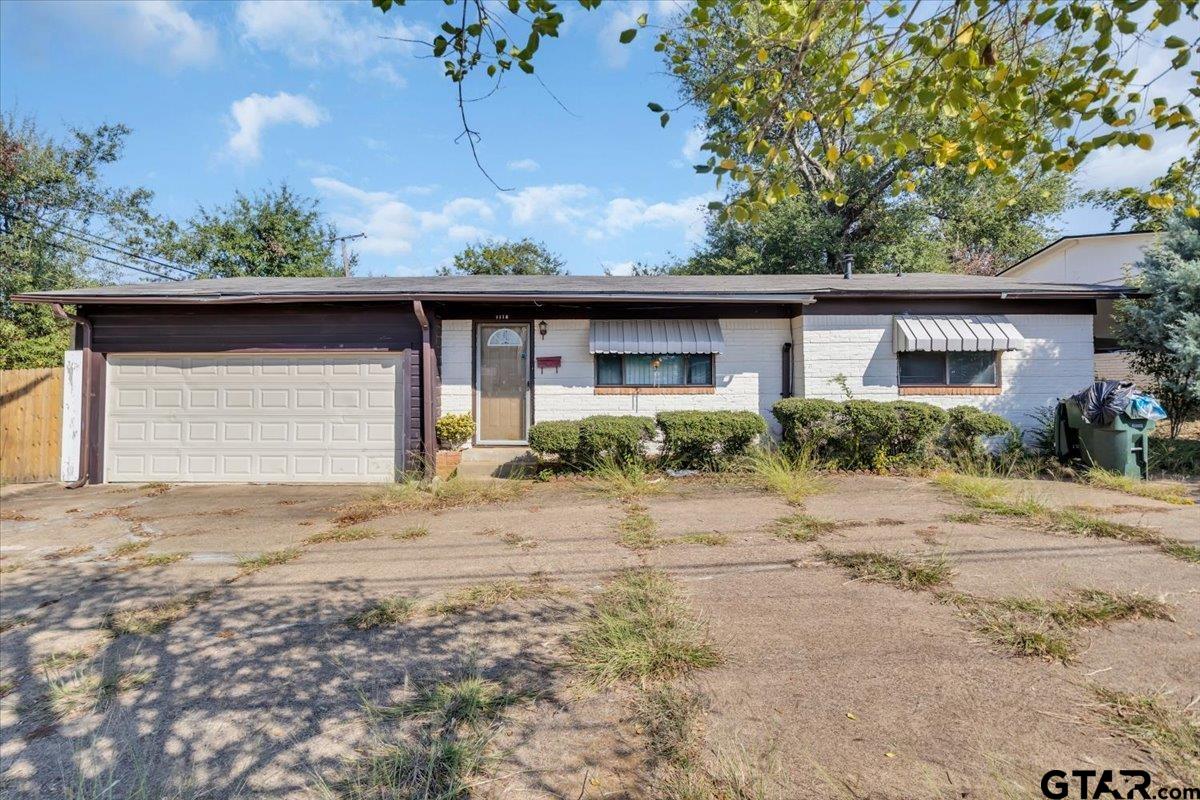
(152, 618)
(484, 596)
(84, 692)
(1174, 493)
(1167, 733)
(155, 488)
(638, 530)
(710, 539)
(64, 658)
(640, 629)
(248, 565)
(125, 549)
(802, 527)
(914, 574)
(517, 540)
(411, 532)
(8, 515)
(341, 535)
(159, 559)
(389, 611)
(415, 496)
(610, 478)
(993, 496)
(68, 552)
(11, 566)
(792, 478)
(1040, 628)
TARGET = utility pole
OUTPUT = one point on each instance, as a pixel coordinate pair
(345, 251)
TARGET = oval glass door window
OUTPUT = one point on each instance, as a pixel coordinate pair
(504, 337)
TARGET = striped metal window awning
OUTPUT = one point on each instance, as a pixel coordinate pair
(656, 336)
(942, 333)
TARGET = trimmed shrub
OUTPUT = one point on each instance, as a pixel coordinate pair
(621, 439)
(454, 430)
(560, 438)
(870, 430)
(707, 440)
(968, 424)
(920, 426)
(807, 424)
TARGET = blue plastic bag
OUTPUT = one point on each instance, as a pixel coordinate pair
(1143, 406)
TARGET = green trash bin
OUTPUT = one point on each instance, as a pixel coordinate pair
(1123, 446)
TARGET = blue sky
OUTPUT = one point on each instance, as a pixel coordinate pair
(226, 96)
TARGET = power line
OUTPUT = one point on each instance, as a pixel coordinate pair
(99, 241)
(64, 248)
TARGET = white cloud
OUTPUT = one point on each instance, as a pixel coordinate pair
(692, 141)
(158, 30)
(618, 267)
(257, 112)
(312, 33)
(616, 55)
(557, 203)
(524, 165)
(393, 226)
(623, 214)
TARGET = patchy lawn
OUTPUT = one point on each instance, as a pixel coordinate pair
(786, 634)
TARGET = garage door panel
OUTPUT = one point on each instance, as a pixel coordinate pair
(260, 418)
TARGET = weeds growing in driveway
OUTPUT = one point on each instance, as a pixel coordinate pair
(158, 559)
(125, 549)
(640, 629)
(64, 658)
(802, 527)
(792, 477)
(484, 596)
(12, 566)
(1175, 493)
(341, 535)
(1170, 734)
(82, 692)
(155, 488)
(443, 758)
(626, 481)
(993, 496)
(389, 611)
(152, 618)
(416, 496)
(638, 530)
(1040, 628)
(68, 552)
(411, 532)
(902, 572)
(248, 565)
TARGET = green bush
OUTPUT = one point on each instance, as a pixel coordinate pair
(707, 440)
(621, 439)
(869, 434)
(807, 424)
(559, 438)
(454, 430)
(968, 424)
(920, 426)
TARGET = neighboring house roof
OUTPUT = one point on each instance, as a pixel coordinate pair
(1065, 240)
(590, 288)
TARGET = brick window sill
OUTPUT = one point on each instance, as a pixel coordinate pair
(640, 390)
(949, 390)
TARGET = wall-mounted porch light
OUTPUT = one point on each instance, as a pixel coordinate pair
(542, 328)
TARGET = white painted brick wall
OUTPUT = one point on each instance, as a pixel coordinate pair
(748, 373)
(1056, 361)
(455, 360)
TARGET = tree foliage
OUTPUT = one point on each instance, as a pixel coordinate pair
(1133, 207)
(1162, 330)
(272, 233)
(57, 216)
(858, 99)
(492, 257)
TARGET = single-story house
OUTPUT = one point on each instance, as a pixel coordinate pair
(341, 379)
(1108, 259)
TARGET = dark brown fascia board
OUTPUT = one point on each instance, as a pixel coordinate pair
(493, 297)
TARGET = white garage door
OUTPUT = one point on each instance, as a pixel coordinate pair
(320, 418)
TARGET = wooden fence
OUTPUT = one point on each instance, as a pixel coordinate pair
(30, 424)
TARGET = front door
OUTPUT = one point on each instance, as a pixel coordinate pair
(503, 370)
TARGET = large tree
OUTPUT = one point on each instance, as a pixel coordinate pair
(492, 257)
(272, 233)
(856, 100)
(1162, 330)
(62, 227)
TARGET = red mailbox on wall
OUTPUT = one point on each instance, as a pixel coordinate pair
(546, 362)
